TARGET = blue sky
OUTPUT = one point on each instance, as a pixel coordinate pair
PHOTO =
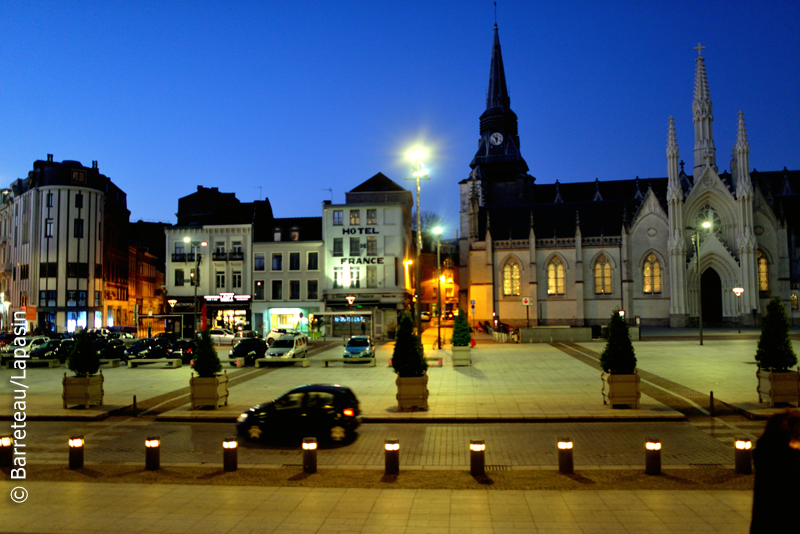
(298, 97)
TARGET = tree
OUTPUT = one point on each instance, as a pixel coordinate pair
(206, 362)
(83, 359)
(618, 357)
(774, 350)
(461, 333)
(428, 221)
(408, 358)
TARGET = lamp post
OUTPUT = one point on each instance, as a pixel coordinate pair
(195, 276)
(419, 173)
(350, 300)
(705, 225)
(438, 232)
(738, 292)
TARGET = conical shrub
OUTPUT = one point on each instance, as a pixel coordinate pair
(206, 362)
(618, 357)
(775, 350)
(408, 358)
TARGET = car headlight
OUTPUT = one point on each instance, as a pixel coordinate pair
(242, 418)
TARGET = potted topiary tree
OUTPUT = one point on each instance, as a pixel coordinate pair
(775, 358)
(208, 388)
(86, 387)
(461, 340)
(618, 363)
(409, 363)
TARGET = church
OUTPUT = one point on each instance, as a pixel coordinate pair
(664, 250)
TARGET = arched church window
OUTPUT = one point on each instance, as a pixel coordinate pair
(602, 276)
(511, 279)
(651, 273)
(763, 272)
(708, 214)
(555, 277)
(794, 301)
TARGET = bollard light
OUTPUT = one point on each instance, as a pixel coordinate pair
(477, 458)
(76, 452)
(230, 454)
(392, 456)
(6, 451)
(152, 455)
(744, 456)
(565, 462)
(652, 464)
(309, 455)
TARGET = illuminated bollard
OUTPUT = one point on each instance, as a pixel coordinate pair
(230, 454)
(565, 464)
(76, 452)
(744, 456)
(477, 458)
(652, 464)
(152, 454)
(309, 455)
(6, 451)
(392, 456)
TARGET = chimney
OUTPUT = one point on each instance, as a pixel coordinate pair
(50, 158)
(94, 164)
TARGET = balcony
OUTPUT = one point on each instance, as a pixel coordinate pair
(219, 256)
(179, 257)
(236, 256)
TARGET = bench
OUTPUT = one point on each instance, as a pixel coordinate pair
(239, 362)
(266, 361)
(112, 362)
(34, 361)
(372, 361)
(172, 363)
(434, 361)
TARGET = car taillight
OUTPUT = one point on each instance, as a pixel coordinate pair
(188, 351)
(348, 412)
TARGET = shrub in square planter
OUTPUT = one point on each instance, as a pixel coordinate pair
(618, 362)
(775, 358)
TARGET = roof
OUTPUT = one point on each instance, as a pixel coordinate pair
(379, 182)
(310, 229)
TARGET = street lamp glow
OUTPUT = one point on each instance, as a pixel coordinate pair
(437, 230)
(706, 225)
(187, 240)
(417, 154)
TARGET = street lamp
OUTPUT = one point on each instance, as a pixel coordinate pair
(738, 292)
(350, 300)
(195, 275)
(416, 156)
(706, 225)
(438, 232)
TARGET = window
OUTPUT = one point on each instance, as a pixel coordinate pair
(24, 270)
(338, 277)
(78, 177)
(355, 217)
(258, 290)
(276, 234)
(602, 276)
(511, 279)
(355, 277)
(72, 298)
(338, 219)
(313, 261)
(259, 263)
(277, 261)
(338, 246)
(372, 216)
(219, 247)
(237, 280)
(178, 277)
(48, 270)
(97, 298)
(220, 279)
(82, 299)
(236, 247)
(79, 200)
(555, 277)
(295, 235)
(48, 228)
(294, 261)
(98, 270)
(372, 276)
(372, 246)
(77, 270)
(312, 292)
(355, 246)
(178, 248)
(763, 273)
(652, 275)
(294, 289)
(277, 290)
(78, 228)
(794, 301)
(49, 200)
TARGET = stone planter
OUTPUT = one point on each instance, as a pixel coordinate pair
(82, 390)
(461, 356)
(621, 389)
(412, 392)
(209, 391)
(778, 387)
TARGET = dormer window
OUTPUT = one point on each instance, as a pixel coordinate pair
(276, 234)
(295, 234)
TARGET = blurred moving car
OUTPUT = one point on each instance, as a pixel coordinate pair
(327, 412)
(425, 316)
(149, 347)
(275, 333)
(183, 349)
(289, 346)
(448, 316)
(359, 347)
(250, 349)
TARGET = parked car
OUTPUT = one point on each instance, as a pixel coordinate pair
(183, 349)
(425, 316)
(149, 347)
(172, 336)
(359, 347)
(327, 412)
(111, 349)
(249, 348)
(289, 346)
(247, 333)
(275, 333)
(6, 338)
(54, 349)
(448, 315)
(221, 336)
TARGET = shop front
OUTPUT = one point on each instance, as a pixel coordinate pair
(228, 310)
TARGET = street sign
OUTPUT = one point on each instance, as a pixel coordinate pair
(473, 310)
(472, 303)
(527, 301)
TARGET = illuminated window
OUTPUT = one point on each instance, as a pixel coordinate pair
(602, 276)
(763, 273)
(511, 279)
(372, 276)
(372, 216)
(355, 277)
(555, 277)
(295, 235)
(355, 217)
(338, 277)
(258, 290)
(372, 246)
(794, 301)
(338, 219)
(276, 234)
(651, 273)
(48, 228)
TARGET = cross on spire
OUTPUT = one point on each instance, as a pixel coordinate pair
(699, 49)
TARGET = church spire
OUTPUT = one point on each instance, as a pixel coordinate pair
(742, 154)
(497, 97)
(704, 150)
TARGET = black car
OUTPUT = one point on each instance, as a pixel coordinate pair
(249, 348)
(327, 412)
(55, 349)
(183, 349)
(111, 349)
(150, 347)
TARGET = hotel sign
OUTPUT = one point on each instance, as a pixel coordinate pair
(362, 261)
(227, 297)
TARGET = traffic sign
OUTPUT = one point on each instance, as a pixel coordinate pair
(472, 303)
(527, 301)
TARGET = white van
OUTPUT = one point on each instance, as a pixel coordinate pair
(289, 346)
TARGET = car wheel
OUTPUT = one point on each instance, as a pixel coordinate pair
(254, 433)
(337, 434)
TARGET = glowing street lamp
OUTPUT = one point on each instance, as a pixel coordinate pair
(738, 292)
(195, 275)
(416, 155)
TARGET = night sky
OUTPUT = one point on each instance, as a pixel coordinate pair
(287, 99)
